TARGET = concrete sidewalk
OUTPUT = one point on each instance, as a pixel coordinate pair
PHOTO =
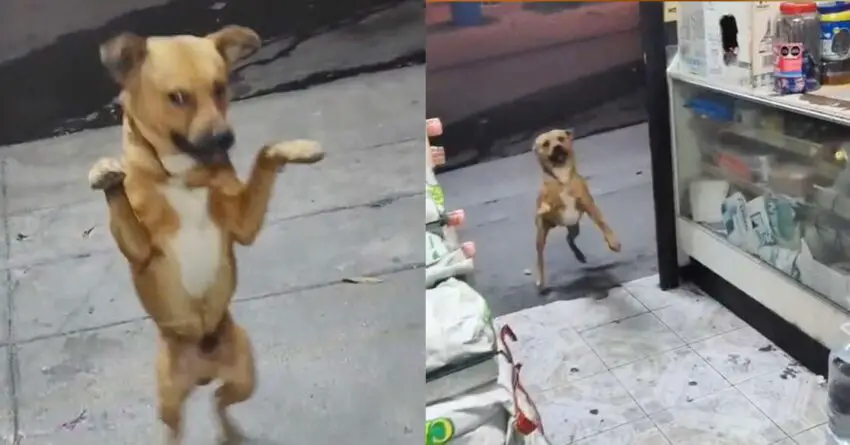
(335, 360)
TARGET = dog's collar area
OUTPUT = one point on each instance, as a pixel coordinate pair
(139, 139)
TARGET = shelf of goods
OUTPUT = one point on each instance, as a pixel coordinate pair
(473, 392)
(763, 194)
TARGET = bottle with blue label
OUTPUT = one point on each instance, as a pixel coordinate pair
(835, 41)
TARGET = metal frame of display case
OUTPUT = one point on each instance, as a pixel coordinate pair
(798, 320)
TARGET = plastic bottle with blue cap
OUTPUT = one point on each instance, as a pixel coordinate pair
(838, 392)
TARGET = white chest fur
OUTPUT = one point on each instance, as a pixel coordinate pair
(571, 213)
(197, 244)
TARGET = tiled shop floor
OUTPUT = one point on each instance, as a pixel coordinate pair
(644, 367)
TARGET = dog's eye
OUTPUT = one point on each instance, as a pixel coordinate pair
(178, 98)
(545, 144)
(561, 139)
(219, 90)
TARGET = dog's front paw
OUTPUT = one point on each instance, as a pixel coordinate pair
(106, 174)
(613, 242)
(299, 151)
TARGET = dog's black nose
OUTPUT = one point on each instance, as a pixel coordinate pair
(222, 140)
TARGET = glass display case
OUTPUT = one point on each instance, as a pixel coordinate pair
(763, 195)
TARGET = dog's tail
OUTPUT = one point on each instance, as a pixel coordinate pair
(298, 151)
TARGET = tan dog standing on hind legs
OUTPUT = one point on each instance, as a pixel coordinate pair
(564, 198)
(176, 207)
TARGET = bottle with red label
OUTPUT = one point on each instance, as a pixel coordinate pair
(797, 48)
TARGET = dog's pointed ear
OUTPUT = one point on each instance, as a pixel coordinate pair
(122, 55)
(235, 42)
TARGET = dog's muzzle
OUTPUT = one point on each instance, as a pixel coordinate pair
(210, 149)
(558, 155)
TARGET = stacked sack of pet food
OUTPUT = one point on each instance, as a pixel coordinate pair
(473, 392)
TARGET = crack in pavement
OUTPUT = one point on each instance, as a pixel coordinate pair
(11, 350)
(292, 290)
(374, 204)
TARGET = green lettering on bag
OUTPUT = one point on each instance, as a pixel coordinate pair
(437, 194)
(439, 431)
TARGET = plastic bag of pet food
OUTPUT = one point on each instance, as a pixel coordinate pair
(500, 413)
(442, 261)
(477, 417)
(432, 210)
(458, 324)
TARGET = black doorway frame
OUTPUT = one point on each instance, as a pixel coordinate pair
(654, 42)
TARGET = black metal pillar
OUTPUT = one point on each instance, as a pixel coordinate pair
(654, 42)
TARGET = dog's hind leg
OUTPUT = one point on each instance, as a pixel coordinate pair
(588, 205)
(174, 387)
(572, 234)
(246, 216)
(239, 378)
(542, 233)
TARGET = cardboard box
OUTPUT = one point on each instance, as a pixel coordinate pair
(670, 11)
(728, 42)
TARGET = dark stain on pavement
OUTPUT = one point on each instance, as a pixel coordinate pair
(78, 352)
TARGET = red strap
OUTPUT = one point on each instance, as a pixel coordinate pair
(523, 424)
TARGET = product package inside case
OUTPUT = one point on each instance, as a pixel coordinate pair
(499, 412)
(729, 42)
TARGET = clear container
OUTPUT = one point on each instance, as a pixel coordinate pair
(838, 393)
(798, 24)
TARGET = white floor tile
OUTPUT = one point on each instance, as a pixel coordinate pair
(586, 313)
(699, 318)
(793, 398)
(741, 354)
(585, 408)
(814, 436)
(666, 380)
(642, 432)
(529, 321)
(725, 418)
(556, 358)
(646, 290)
(631, 339)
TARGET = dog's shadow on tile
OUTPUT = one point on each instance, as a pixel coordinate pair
(595, 281)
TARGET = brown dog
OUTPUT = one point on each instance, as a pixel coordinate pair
(176, 206)
(564, 197)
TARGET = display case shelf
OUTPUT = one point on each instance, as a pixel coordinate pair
(762, 187)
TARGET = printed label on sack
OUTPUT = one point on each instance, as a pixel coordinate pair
(439, 431)
(435, 248)
(436, 193)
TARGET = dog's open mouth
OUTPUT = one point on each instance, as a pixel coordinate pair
(211, 157)
(558, 156)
